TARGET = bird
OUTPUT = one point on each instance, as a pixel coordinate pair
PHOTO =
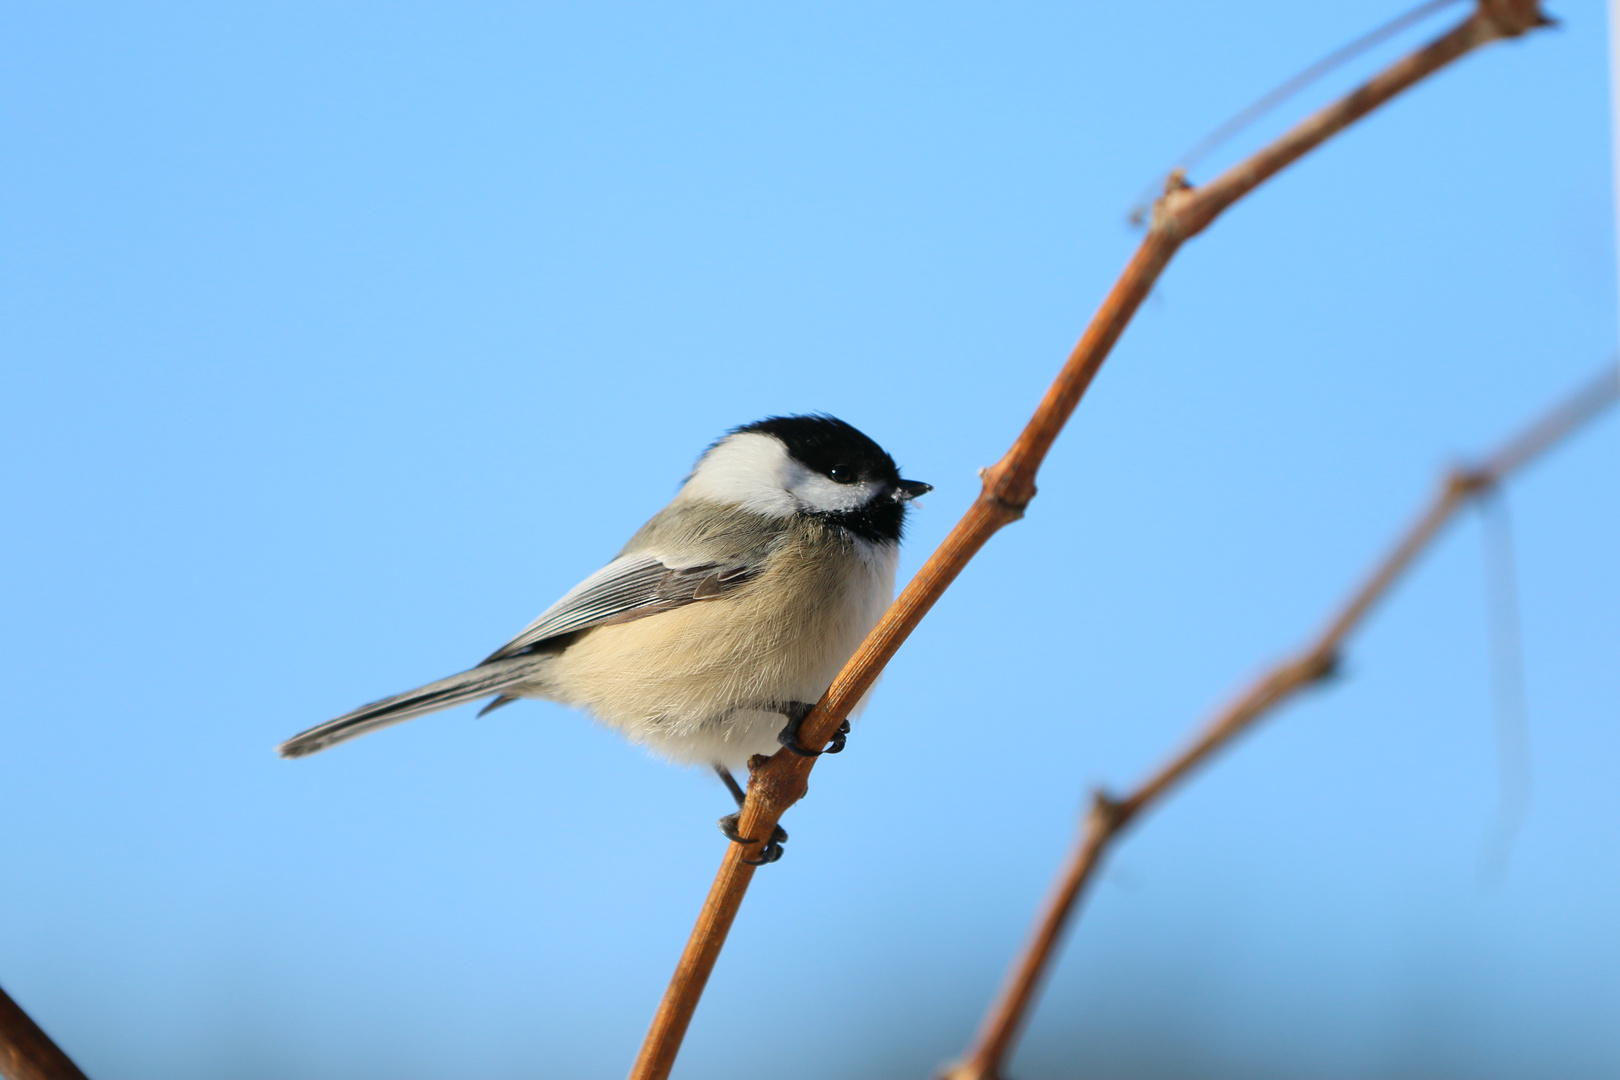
(711, 635)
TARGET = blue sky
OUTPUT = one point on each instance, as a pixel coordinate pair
(341, 339)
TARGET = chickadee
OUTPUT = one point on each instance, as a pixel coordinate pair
(727, 614)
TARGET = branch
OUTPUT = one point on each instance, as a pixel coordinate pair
(778, 782)
(1109, 816)
(26, 1052)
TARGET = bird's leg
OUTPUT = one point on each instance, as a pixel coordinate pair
(796, 711)
(731, 784)
(728, 824)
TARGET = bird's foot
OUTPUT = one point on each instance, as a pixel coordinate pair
(789, 736)
(768, 854)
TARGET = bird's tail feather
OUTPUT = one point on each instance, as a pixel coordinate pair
(478, 682)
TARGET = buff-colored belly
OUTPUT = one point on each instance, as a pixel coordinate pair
(698, 683)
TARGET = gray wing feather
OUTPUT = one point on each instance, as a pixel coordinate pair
(629, 587)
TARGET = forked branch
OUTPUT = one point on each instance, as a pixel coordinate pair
(778, 782)
(1110, 816)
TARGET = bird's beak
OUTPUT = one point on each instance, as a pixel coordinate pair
(906, 490)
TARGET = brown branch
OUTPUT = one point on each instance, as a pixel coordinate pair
(26, 1052)
(778, 782)
(1109, 816)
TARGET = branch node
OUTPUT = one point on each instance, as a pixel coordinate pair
(1167, 218)
(1014, 510)
(1463, 482)
(776, 789)
(1107, 813)
(1511, 18)
(1010, 491)
(1322, 665)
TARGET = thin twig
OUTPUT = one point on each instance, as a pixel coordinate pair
(778, 782)
(1110, 816)
(26, 1052)
(1281, 93)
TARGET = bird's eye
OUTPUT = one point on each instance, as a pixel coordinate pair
(841, 474)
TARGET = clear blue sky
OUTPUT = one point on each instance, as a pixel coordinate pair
(340, 339)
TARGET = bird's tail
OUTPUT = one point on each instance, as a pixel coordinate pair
(481, 681)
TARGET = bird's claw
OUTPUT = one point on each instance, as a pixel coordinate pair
(839, 738)
(789, 735)
(767, 854)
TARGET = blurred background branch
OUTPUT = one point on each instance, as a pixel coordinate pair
(1110, 816)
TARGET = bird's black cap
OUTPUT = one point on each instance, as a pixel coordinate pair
(824, 442)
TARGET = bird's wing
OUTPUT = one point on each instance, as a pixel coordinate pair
(629, 587)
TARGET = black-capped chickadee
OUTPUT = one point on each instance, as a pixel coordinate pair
(727, 614)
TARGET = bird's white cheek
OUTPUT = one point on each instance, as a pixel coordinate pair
(748, 470)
